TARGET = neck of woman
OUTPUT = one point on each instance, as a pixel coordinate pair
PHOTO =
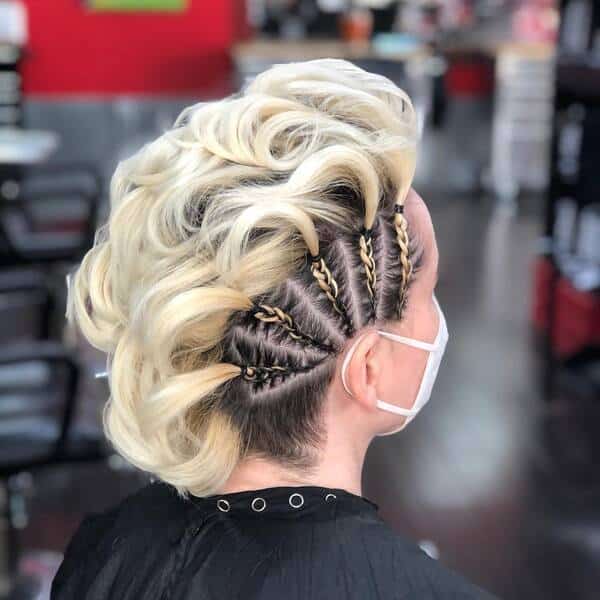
(338, 465)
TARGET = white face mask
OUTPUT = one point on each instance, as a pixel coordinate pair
(436, 351)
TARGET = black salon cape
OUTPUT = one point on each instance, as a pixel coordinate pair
(156, 545)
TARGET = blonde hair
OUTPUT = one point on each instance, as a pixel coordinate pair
(243, 248)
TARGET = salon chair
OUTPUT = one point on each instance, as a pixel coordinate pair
(38, 392)
(20, 290)
(27, 233)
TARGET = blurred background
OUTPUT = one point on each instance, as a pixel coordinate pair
(499, 477)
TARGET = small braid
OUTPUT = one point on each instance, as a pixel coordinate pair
(366, 256)
(261, 374)
(274, 314)
(329, 285)
(401, 225)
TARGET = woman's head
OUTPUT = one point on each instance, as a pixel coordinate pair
(244, 249)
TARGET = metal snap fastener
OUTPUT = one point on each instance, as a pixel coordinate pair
(223, 505)
(259, 504)
(296, 503)
(430, 548)
(330, 497)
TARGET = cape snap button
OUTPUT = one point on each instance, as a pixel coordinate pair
(296, 500)
(259, 504)
(223, 505)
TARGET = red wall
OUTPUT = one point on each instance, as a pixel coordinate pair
(73, 51)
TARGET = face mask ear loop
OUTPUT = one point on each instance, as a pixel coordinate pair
(346, 362)
(405, 412)
(408, 413)
(397, 410)
(427, 346)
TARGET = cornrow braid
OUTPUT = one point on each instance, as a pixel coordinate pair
(261, 374)
(274, 314)
(328, 284)
(401, 225)
(368, 260)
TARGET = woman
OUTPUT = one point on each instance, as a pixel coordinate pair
(264, 290)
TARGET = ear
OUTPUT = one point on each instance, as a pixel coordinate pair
(363, 370)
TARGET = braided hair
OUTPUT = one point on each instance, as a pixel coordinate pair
(244, 248)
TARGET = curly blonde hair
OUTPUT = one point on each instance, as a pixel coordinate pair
(244, 247)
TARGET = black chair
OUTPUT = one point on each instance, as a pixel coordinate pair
(38, 391)
(30, 242)
(24, 237)
(20, 288)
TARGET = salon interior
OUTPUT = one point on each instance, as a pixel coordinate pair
(499, 476)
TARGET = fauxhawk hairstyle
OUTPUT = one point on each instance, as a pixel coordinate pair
(244, 248)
